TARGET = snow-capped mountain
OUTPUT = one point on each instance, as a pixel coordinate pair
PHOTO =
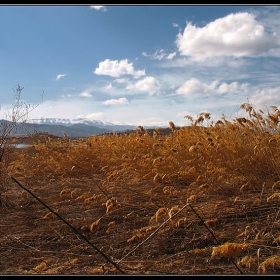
(80, 127)
(69, 122)
(116, 126)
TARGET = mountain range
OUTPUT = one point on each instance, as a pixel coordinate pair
(72, 128)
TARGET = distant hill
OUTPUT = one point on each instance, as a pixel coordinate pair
(90, 122)
(76, 130)
(72, 128)
(112, 126)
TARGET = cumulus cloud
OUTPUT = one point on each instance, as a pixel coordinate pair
(85, 94)
(266, 97)
(195, 87)
(115, 68)
(116, 101)
(59, 76)
(102, 8)
(235, 35)
(232, 87)
(159, 55)
(148, 84)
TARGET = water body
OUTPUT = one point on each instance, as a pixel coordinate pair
(20, 145)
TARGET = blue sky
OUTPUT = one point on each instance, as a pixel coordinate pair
(140, 65)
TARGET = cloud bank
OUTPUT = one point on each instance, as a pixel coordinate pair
(234, 35)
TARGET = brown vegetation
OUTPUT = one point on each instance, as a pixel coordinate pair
(203, 199)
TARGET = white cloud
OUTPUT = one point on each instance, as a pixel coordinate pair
(116, 101)
(235, 35)
(95, 116)
(148, 84)
(115, 68)
(266, 97)
(170, 56)
(159, 55)
(195, 87)
(85, 94)
(102, 8)
(232, 87)
(59, 76)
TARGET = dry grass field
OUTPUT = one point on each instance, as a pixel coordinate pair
(201, 199)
